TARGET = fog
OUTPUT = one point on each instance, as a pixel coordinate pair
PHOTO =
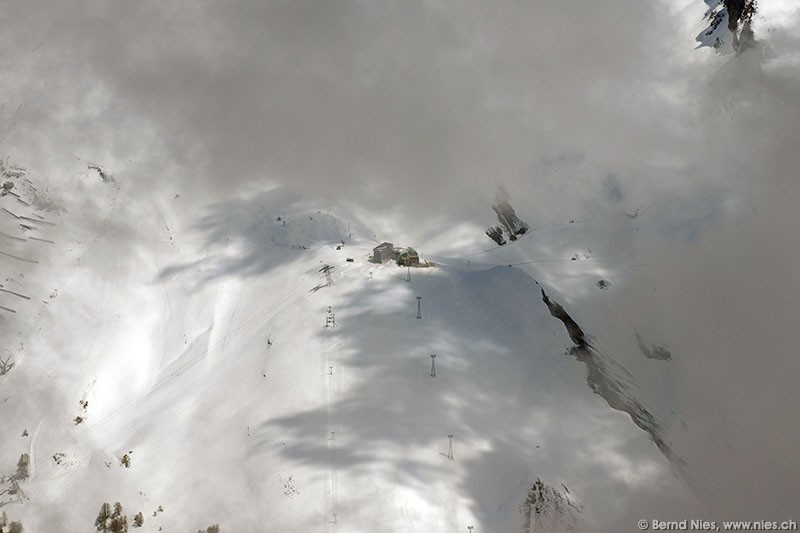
(581, 110)
(355, 99)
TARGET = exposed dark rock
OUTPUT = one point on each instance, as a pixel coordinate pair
(509, 221)
(608, 380)
(496, 234)
(735, 10)
(547, 509)
(603, 284)
(613, 383)
(506, 215)
(574, 330)
(103, 173)
(654, 351)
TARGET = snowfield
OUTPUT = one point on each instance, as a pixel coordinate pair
(199, 346)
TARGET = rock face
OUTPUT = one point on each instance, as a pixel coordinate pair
(548, 509)
(735, 11)
(574, 330)
(509, 221)
(739, 15)
(615, 385)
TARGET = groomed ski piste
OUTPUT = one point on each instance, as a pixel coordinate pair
(195, 349)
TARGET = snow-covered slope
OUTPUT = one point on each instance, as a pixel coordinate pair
(195, 336)
(628, 355)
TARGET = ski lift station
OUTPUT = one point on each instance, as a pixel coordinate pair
(408, 257)
(386, 251)
(383, 252)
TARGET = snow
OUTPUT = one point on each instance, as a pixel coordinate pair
(163, 304)
(165, 333)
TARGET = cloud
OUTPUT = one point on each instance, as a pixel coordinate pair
(583, 110)
(356, 99)
(721, 287)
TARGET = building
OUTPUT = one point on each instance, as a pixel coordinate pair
(383, 252)
(408, 257)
